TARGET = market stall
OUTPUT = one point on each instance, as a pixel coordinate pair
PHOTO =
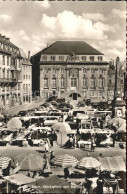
(15, 180)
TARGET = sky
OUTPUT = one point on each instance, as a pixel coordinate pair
(32, 25)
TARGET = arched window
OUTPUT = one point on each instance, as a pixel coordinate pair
(93, 81)
(85, 81)
(62, 82)
(101, 82)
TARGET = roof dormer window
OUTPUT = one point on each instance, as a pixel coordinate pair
(61, 58)
(44, 58)
(53, 58)
(91, 58)
(100, 58)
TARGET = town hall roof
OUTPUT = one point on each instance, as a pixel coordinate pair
(67, 47)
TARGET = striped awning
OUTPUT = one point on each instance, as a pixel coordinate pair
(115, 163)
(65, 161)
(4, 162)
(89, 162)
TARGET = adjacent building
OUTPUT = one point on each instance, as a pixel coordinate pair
(120, 80)
(26, 77)
(71, 69)
(11, 67)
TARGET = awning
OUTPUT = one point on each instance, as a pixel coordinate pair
(19, 179)
(115, 163)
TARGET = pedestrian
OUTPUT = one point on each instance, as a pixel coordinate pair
(51, 155)
(46, 167)
(100, 184)
(66, 173)
(46, 146)
(88, 185)
(92, 145)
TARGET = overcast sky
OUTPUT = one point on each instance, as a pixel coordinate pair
(33, 25)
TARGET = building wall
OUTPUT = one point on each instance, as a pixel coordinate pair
(10, 74)
(26, 82)
(111, 82)
(79, 72)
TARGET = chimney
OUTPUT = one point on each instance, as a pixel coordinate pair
(8, 39)
(3, 37)
(28, 55)
(47, 45)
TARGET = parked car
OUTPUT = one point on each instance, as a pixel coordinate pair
(103, 105)
(52, 98)
(65, 105)
(22, 113)
(81, 103)
(88, 102)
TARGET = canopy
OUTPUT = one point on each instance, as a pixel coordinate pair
(115, 163)
(32, 162)
(1, 116)
(61, 127)
(4, 162)
(8, 138)
(19, 179)
(122, 128)
(65, 160)
(54, 185)
(89, 162)
(14, 123)
(41, 128)
(104, 131)
(117, 121)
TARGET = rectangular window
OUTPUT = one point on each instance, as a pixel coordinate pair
(62, 70)
(3, 73)
(91, 58)
(3, 60)
(18, 86)
(46, 70)
(84, 70)
(53, 83)
(101, 70)
(7, 74)
(23, 86)
(7, 61)
(54, 70)
(23, 76)
(73, 82)
(92, 70)
(45, 83)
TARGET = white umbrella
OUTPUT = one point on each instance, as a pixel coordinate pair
(61, 127)
(89, 162)
(14, 123)
(117, 121)
(122, 128)
(65, 160)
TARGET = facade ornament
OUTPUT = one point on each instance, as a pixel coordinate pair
(72, 57)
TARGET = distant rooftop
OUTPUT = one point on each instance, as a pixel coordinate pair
(67, 47)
